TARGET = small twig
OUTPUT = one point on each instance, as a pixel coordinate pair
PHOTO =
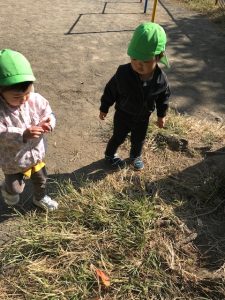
(207, 213)
(215, 153)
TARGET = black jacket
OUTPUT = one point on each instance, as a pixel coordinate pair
(126, 90)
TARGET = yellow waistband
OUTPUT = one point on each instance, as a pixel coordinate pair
(34, 169)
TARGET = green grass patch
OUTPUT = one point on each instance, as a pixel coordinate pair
(155, 233)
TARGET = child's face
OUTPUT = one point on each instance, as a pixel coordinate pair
(144, 67)
(16, 98)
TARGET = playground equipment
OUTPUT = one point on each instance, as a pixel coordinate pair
(146, 4)
(154, 8)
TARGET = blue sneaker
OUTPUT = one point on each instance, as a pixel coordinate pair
(115, 161)
(138, 163)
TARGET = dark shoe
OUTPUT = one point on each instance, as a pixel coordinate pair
(115, 161)
(138, 163)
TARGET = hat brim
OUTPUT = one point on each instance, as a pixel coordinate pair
(16, 79)
(140, 56)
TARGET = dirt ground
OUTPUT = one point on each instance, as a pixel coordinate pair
(76, 46)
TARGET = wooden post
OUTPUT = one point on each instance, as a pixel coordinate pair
(154, 10)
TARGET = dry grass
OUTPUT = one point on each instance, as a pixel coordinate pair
(207, 7)
(153, 233)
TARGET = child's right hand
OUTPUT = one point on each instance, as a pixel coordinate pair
(33, 132)
(45, 125)
(102, 115)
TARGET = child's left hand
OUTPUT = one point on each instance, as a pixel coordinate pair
(161, 122)
(45, 125)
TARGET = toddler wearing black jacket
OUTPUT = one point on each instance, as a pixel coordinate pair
(137, 89)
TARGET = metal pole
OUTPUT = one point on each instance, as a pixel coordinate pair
(154, 10)
(146, 4)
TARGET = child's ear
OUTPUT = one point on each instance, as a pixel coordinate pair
(157, 58)
(161, 55)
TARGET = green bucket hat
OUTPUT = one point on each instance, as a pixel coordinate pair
(14, 68)
(148, 40)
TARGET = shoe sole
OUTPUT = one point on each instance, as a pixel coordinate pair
(138, 169)
(115, 165)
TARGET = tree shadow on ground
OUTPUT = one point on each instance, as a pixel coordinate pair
(9, 221)
(197, 195)
(196, 74)
(93, 172)
(200, 189)
(10, 229)
(200, 192)
(90, 173)
(25, 205)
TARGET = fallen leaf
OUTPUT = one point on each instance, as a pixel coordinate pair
(103, 276)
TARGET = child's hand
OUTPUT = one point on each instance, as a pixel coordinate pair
(45, 125)
(33, 132)
(161, 122)
(102, 115)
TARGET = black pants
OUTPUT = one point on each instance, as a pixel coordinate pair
(14, 183)
(123, 124)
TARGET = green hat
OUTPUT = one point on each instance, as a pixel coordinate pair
(148, 40)
(14, 68)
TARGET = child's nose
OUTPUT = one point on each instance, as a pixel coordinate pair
(24, 98)
(139, 63)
